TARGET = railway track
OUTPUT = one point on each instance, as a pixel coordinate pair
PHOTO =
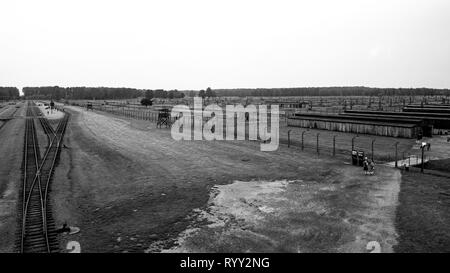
(38, 232)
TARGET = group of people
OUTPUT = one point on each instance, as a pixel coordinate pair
(368, 166)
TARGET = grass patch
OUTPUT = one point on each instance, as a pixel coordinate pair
(423, 215)
(442, 165)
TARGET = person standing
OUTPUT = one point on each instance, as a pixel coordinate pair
(365, 166)
(371, 167)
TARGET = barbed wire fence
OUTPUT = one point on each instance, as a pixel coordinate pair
(326, 144)
(313, 142)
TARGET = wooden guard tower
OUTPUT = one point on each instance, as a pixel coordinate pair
(89, 106)
(163, 118)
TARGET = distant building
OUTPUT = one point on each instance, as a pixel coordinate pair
(371, 125)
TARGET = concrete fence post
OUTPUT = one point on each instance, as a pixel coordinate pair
(303, 140)
(373, 141)
(289, 138)
(423, 151)
(317, 144)
(353, 142)
(334, 145)
(396, 158)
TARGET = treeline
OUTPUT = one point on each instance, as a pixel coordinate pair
(329, 91)
(89, 93)
(162, 94)
(9, 93)
(98, 93)
(105, 93)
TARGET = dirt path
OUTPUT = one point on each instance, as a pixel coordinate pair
(131, 187)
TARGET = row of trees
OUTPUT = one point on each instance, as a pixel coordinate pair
(56, 92)
(9, 93)
(330, 91)
(162, 94)
(99, 93)
(103, 93)
(149, 95)
(208, 93)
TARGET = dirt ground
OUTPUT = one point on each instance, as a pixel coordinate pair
(50, 114)
(11, 141)
(331, 211)
(131, 188)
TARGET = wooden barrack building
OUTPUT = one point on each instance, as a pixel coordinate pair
(371, 125)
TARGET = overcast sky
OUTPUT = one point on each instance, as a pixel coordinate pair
(181, 44)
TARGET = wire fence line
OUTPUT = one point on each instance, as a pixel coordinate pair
(141, 113)
(380, 151)
(321, 143)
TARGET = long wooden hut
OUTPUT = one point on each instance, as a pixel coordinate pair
(380, 126)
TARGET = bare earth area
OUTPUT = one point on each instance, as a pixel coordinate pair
(131, 188)
(332, 213)
(50, 114)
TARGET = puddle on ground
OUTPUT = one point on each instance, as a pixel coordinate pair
(245, 213)
(313, 215)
